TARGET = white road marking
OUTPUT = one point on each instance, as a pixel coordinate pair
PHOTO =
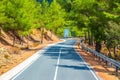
(16, 71)
(38, 55)
(26, 67)
(55, 76)
(88, 67)
(21, 67)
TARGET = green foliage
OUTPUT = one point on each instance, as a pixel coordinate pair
(60, 32)
(56, 16)
(3, 18)
(100, 17)
(112, 34)
(22, 15)
(52, 15)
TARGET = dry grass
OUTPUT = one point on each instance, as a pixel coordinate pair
(105, 52)
(11, 56)
(5, 57)
(14, 50)
(35, 44)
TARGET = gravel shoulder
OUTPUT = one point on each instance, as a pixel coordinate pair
(18, 58)
(104, 71)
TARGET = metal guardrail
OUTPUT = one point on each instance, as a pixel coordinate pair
(112, 62)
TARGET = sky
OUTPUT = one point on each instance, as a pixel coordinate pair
(48, 1)
(66, 32)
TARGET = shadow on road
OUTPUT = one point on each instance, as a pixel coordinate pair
(83, 67)
(67, 52)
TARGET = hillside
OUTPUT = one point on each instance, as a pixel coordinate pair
(11, 55)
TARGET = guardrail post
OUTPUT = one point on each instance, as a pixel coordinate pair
(110, 64)
(106, 62)
(99, 59)
(102, 58)
(116, 70)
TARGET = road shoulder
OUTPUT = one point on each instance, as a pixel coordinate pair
(105, 72)
(29, 55)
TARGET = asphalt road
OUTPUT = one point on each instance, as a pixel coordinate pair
(58, 62)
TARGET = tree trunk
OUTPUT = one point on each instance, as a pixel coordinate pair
(109, 54)
(98, 47)
(21, 40)
(0, 30)
(28, 42)
(51, 34)
(42, 35)
(14, 38)
(115, 54)
(92, 40)
(85, 37)
(89, 38)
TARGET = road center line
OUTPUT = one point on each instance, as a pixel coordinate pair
(58, 61)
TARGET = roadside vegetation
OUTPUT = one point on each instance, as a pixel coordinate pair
(97, 20)
(100, 22)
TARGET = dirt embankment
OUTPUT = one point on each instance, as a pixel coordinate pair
(11, 56)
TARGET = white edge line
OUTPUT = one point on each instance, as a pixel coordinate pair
(25, 68)
(55, 76)
(93, 72)
(16, 71)
(20, 67)
(58, 61)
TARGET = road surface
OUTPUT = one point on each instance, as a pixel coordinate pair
(58, 62)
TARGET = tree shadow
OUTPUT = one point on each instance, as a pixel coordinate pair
(67, 52)
(4, 42)
(32, 39)
(94, 61)
(47, 37)
(83, 67)
(104, 70)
